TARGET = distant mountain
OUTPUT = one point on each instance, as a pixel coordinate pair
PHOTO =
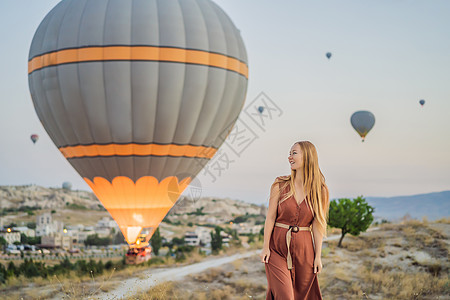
(433, 206)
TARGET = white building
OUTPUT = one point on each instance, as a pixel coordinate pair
(25, 230)
(201, 235)
(45, 225)
(105, 226)
(191, 238)
(225, 238)
(204, 234)
(81, 236)
(107, 222)
(245, 228)
(10, 236)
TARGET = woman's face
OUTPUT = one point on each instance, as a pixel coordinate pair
(295, 157)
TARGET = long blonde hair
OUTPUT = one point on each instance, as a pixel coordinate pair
(314, 185)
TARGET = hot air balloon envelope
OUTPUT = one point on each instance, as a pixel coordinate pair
(422, 102)
(135, 93)
(261, 109)
(34, 138)
(328, 55)
(362, 121)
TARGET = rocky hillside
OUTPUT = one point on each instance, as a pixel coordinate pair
(216, 207)
(54, 198)
(45, 198)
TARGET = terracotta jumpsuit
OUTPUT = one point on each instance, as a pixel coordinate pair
(299, 283)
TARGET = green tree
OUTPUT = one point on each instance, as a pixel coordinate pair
(31, 225)
(29, 269)
(3, 242)
(251, 238)
(23, 238)
(34, 240)
(118, 238)
(176, 241)
(156, 241)
(95, 240)
(12, 270)
(351, 216)
(216, 239)
(3, 274)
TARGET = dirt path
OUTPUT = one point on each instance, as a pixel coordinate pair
(154, 277)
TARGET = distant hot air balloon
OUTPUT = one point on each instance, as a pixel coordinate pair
(261, 109)
(328, 55)
(362, 121)
(135, 93)
(34, 138)
(422, 102)
(67, 185)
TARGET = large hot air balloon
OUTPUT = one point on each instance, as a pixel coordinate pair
(34, 138)
(328, 55)
(362, 121)
(422, 102)
(138, 96)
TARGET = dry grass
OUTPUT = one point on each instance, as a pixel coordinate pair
(166, 290)
(240, 289)
(443, 221)
(237, 264)
(67, 286)
(386, 265)
(402, 285)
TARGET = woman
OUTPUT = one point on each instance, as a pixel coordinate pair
(295, 225)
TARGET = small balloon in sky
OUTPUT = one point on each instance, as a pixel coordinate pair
(261, 109)
(34, 138)
(328, 55)
(362, 121)
(422, 102)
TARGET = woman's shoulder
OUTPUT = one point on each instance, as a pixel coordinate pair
(283, 178)
(281, 181)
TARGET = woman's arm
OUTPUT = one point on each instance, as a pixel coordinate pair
(318, 235)
(270, 221)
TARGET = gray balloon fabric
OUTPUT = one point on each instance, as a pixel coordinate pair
(362, 121)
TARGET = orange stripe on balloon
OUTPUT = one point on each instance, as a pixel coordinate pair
(138, 150)
(137, 53)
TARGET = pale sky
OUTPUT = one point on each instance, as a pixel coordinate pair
(387, 55)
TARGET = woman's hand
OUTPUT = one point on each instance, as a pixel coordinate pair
(317, 265)
(264, 255)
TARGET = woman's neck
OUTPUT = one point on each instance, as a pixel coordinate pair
(298, 180)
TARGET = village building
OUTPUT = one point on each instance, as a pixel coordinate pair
(45, 225)
(10, 236)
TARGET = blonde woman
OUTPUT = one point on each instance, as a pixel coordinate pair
(295, 225)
